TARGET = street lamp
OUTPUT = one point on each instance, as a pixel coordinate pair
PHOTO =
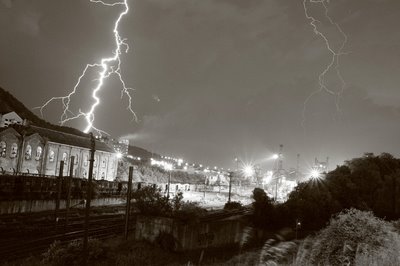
(168, 167)
(315, 173)
(248, 170)
(275, 174)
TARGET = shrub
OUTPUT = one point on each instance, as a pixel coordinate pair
(233, 205)
(189, 212)
(72, 254)
(150, 200)
(351, 236)
(263, 209)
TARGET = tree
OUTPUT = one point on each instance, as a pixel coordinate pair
(263, 209)
(149, 200)
(368, 183)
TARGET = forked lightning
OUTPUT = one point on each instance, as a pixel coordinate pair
(334, 62)
(108, 66)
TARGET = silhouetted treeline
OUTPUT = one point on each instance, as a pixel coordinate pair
(367, 183)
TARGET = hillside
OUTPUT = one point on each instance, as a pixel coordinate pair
(142, 153)
(9, 103)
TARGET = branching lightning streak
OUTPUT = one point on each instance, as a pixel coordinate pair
(109, 65)
(334, 63)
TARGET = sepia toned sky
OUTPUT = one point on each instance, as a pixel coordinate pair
(215, 79)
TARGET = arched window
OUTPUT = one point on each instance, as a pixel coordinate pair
(14, 150)
(76, 158)
(103, 175)
(51, 156)
(96, 160)
(28, 152)
(3, 149)
(65, 158)
(86, 160)
(38, 153)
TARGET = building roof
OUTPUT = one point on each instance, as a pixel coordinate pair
(63, 138)
(70, 139)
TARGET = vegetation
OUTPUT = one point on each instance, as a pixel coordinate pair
(369, 183)
(263, 209)
(154, 174)
(151, 201)
(353, 237)
(233, 205)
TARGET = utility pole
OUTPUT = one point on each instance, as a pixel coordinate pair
(88, 196)
(280, 170)
(205, 184)
(128, 201)
(59, 182)
(394, 196)
(230, 186)
(298, 167)
(169, 184)
(327, 164)
(67, 202)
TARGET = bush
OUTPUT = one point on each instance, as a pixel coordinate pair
(263, 209)
(150, 200)
(351, 236)
(233, 205)
(72, 254)
(189, 212)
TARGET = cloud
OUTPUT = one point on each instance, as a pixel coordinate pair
(7, 3)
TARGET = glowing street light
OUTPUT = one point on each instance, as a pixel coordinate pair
(119, 155)
(275, 156)
(315, 173)
(248, 170)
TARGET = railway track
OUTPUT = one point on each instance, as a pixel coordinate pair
(36, 225)
(23, 249)
(17, 244)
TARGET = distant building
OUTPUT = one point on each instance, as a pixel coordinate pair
(121, 146)
(36, 150)
(11, 118)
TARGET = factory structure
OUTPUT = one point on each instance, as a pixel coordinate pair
(39, 151)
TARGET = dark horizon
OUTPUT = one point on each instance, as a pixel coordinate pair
(215, 80)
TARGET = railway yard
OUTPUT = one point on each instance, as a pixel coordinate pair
(28, 234)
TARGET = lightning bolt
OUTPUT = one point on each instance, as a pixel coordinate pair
(108, 66)
(334, 62)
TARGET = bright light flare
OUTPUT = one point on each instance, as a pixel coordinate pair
(315, 173)
(248, 170)
(119, 155)
(275, 156)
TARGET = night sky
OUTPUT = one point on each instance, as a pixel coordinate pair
(215, 79)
